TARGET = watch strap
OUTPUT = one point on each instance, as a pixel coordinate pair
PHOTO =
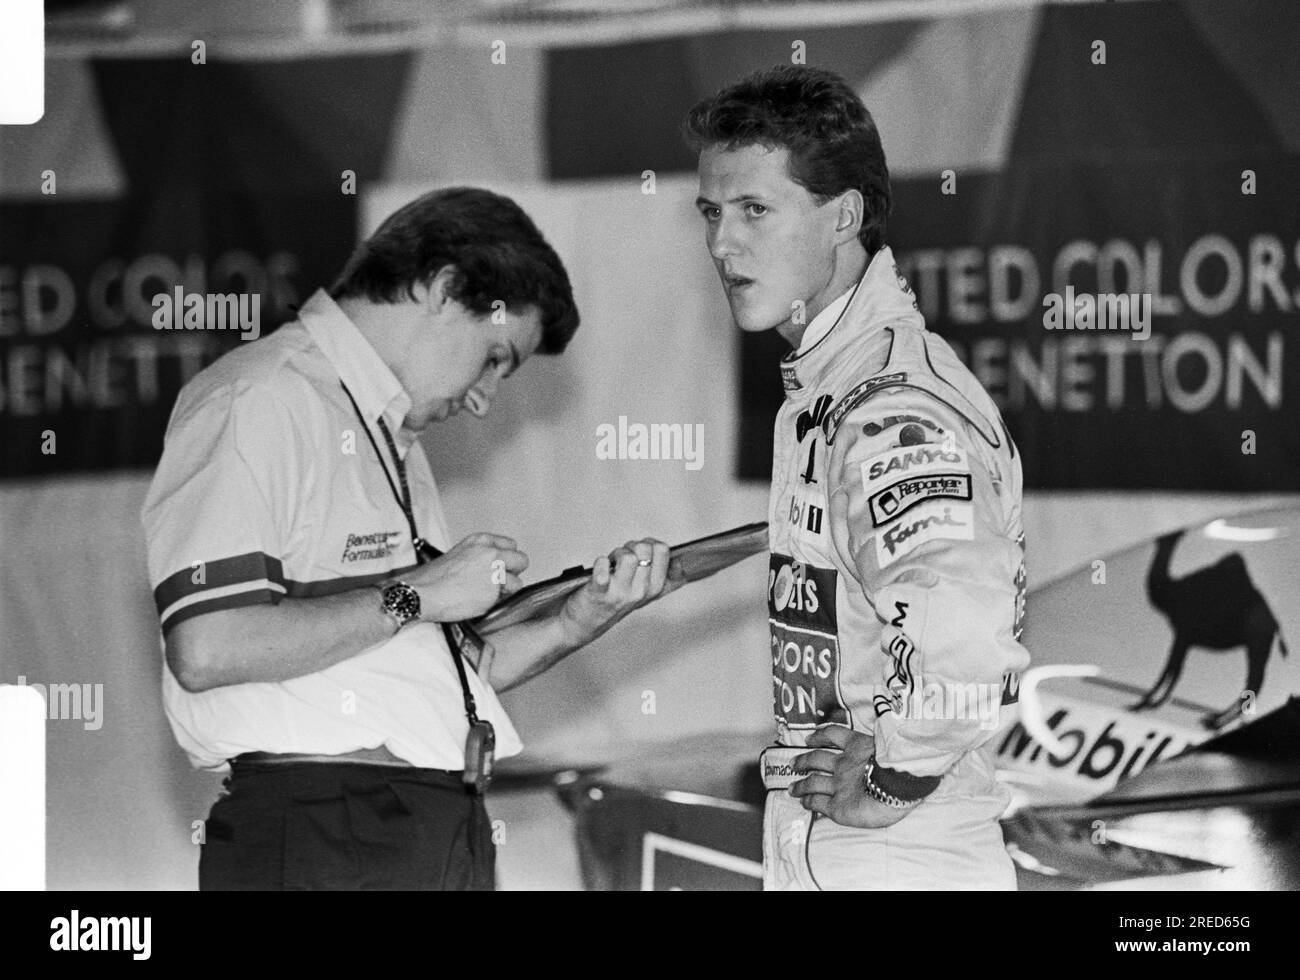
(895, 788)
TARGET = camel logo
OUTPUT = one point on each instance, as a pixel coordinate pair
(903, 539)
(809, 420)
(1217, 608)
(806, 422)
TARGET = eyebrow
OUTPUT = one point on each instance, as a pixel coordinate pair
(739, 199)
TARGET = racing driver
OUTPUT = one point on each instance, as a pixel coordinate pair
(896, 576)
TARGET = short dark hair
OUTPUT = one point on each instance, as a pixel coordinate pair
(496, 252)
(833, 141)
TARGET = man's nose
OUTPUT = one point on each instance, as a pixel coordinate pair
(487, 383)
(722, 241)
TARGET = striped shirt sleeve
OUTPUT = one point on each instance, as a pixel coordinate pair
(216, 515)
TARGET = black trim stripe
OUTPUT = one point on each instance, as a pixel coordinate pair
(255, 566)
(794, 357)
(962, 395)
(957, 408)
(974, 416)
(253, 597)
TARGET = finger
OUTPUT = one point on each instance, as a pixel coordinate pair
(818, 760)
(515, 561)
(830, 736)
(645, 553)
(511, 585)
(658, 568)
(817, 803)
(600, 572)
(624, 567)
(815, 783)
(499, 541)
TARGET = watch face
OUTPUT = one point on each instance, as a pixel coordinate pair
(402, 601)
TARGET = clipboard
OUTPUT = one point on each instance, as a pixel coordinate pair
(687, 562)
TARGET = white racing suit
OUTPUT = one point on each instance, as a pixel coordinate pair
(895, 595)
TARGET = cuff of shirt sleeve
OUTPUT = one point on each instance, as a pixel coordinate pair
(903, 785)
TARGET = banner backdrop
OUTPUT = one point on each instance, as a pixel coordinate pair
(1168, 403)
(90, 360)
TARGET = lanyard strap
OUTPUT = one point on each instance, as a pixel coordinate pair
(458, 635)
(404, 498)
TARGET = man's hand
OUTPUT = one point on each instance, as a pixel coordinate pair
(835, 787)
(469, 579)
(630, 577)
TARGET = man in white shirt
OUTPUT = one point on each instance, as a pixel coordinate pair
(306, 582)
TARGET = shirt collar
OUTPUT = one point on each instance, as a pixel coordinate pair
(824, 320)
(880, 297)
(376, 389)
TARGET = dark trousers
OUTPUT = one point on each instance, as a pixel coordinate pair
(310, 826)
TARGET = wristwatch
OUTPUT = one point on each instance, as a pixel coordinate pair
(878, 794)
(400, 601)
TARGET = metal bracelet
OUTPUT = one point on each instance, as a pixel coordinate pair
(878, 794)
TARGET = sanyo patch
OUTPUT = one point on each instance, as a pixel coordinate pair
(906, 461)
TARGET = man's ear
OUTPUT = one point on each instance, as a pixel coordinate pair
(850, 213)
(437, 294)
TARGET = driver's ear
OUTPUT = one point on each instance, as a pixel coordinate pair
(849, 216)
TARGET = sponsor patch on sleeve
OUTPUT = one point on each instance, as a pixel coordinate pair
(895, 500)
(930, 523)
(907, 461)
(874, 428)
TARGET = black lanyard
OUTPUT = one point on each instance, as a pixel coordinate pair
(460, 636)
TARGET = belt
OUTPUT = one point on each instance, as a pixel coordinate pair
(777, 765)
(368, 757)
